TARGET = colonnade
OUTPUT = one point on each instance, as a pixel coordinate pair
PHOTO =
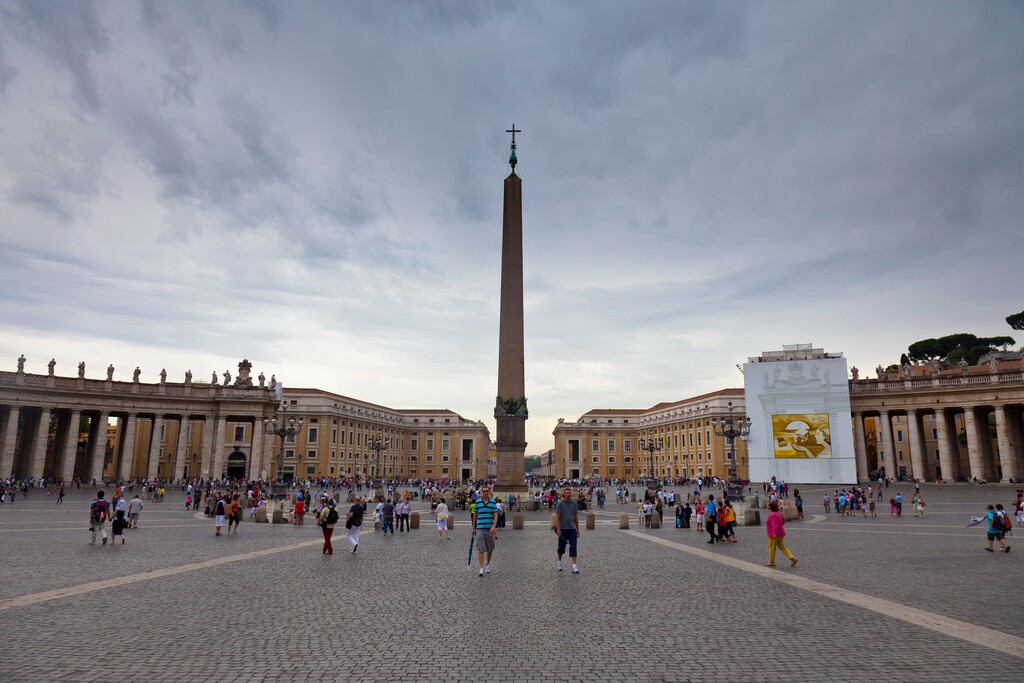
(970, 451)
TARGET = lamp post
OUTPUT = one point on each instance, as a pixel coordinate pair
(377, 444)
(652, 446)
(730, 429)
(282, 427)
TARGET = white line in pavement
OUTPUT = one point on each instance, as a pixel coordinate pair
(962, 630)
(885, 531)
(46, 596)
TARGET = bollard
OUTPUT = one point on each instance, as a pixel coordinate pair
(351, 497)
(414, 520)
(517, 520)
(655, 521)
(261, 515)
(591, 520)
(451, 520)
(623, 520)
(278, 517)
(632, 496)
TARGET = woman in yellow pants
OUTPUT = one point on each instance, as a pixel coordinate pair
(777, 535)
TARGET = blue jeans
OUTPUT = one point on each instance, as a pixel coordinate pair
(389, 523)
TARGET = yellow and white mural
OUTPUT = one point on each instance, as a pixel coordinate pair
(802, 435)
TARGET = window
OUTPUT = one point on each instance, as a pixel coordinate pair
(628, 458)
(675, 441)
(627, 446)
(310, 455)
(444, 458)
(611, 458)
(899, 435)
(596, 459)
(611, 472)
(595, 446)
(334, 455)
(289, 453)
(414, 444)
(611, 445)
(430, 444)
(445, 445)
(691, 439)
(290, 438)
(162, 433)
(698, 439)
(935, 433)
(700, 456)
(334, 436)
(312, 435)
(430, 458)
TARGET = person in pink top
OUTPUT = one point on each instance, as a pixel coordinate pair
(777, 535)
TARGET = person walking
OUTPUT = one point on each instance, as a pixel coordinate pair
(567, 529)
(234, 514)
(388, 516)
(727, 525)
(118, 525)
(218, 515)
(775, 526)
(354, 521)
(899, 505)
(441, 513)
(328, 519)
(134, 508)
(699, 510)
(484, 523)
(99, 510)
(403, 515)
(711, 518)
(60, 495)
(996, 530)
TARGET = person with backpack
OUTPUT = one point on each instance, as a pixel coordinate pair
(354, 522)
(998, 525)
(218, 515)
(99, 511)
(328, 518)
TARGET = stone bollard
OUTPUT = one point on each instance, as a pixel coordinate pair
(414, 520)
(623, 520)
(632, 497)
(517, 520)
(278, 517)
(351, 497)
(591, 520)
(655, 521)
(261, 515)
(451, 520)
(751, 517)
(789, 513)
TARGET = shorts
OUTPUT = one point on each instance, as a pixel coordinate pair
(996, 535)
(484, 541)
(700, 519)
(219, 521)
(442, 524)
(567, 537)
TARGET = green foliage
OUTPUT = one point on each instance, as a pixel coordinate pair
(954, 347)
(531, 463)
(1016, 320)
(904, 360)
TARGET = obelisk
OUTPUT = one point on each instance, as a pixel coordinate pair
(510, 411)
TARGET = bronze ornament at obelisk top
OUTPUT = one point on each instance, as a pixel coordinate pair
(510, 411)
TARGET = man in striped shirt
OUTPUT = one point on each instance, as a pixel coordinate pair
(485, 523)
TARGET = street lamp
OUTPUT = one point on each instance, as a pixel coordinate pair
(652, 446)
(377, 444)
(730, 429)
(283, 428)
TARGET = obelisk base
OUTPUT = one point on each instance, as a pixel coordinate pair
(511, 468)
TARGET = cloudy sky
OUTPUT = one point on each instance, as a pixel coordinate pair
(317, 187)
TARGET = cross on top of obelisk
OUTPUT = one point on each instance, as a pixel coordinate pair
(512, 155)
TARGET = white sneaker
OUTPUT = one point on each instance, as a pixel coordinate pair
(559, 566)
(575, 569)
(481, 572)
(487, 568)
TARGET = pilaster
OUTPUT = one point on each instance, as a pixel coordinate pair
(888, 446)
(10, 439)
(918, 458)
(70, 446)
(42, 438)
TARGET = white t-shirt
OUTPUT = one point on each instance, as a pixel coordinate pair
(441, 511)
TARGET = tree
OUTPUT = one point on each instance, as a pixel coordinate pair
(1016, 321)
(955, 347)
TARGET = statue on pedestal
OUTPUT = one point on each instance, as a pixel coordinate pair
(906, 371)
(263, 380)
(934, 364)
(227, 377)
(993, 364)
(273, 382)
(243, 379)
(163, 376)
(213, 378)
(110, 372)
(964, 367)
(855, 372)
(21, 364)
(50, 366)
(135, 375)
(188, 377)
(81, 370)
(880, 371)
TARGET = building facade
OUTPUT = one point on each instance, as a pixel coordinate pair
(74, 427)
(606, 442)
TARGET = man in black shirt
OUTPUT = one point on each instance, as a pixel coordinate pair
(354, 521)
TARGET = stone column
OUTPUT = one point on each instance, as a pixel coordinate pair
(1007, 447)
(1016, 419)
(98, 446)
(918, 457)
(218, 447)
(949, 453)
(181, 449)
(888, 446)
(124, 464)
(256, 450)
(975, 455)
(153, 468)
(860, 446)
(207, 454)
(9, 441)
(39, 444)
(71, 446)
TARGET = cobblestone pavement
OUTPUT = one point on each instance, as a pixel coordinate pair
(177, 603)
